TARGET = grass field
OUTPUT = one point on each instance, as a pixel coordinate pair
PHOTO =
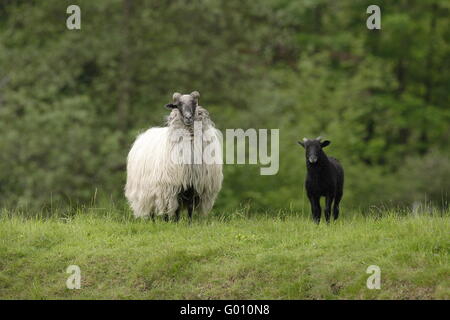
(238, 257)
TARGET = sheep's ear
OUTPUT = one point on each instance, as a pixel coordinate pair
(325, 143)
(301, 143)
(176, 97)
(195, 95)
(171, 106)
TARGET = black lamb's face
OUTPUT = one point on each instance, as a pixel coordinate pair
(313, 148)
(186, 104)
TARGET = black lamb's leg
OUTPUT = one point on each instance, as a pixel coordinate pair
(315, 209)
(336, 206)
(328, 202)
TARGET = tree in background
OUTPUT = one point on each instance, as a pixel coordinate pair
(72, 102)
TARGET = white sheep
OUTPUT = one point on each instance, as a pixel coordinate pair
(168, 168)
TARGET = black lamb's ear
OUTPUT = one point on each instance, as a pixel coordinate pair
(171, 106)
(325, 143)
(301, 143)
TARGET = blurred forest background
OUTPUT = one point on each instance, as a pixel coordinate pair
(72, 102)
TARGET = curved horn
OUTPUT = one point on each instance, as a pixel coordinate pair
(176, 96)
(195, 95)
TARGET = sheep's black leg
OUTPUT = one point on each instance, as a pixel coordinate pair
(177, 215)
(188, 198)
(190, 209)
(328, 202)
(166, 218)
(336, 206)
(315, 208)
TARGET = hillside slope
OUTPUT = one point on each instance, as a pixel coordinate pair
(237, 258)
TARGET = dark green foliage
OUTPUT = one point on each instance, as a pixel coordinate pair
(72, 102)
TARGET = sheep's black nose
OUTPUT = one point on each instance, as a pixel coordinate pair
(188, 120)
(312, 159)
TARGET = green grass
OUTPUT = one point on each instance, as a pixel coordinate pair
(239, 257)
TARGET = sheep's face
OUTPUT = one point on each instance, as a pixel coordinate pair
(313, 148)
(186, 105)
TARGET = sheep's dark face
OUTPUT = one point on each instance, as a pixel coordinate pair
(313, 149)
(186, 104)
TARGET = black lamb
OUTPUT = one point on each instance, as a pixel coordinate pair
(325, 178)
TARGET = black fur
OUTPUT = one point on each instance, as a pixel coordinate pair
(325, 178)
(188, 199)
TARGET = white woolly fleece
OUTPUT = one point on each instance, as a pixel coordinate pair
(154, 180)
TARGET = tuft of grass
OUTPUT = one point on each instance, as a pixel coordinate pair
(223, 256)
